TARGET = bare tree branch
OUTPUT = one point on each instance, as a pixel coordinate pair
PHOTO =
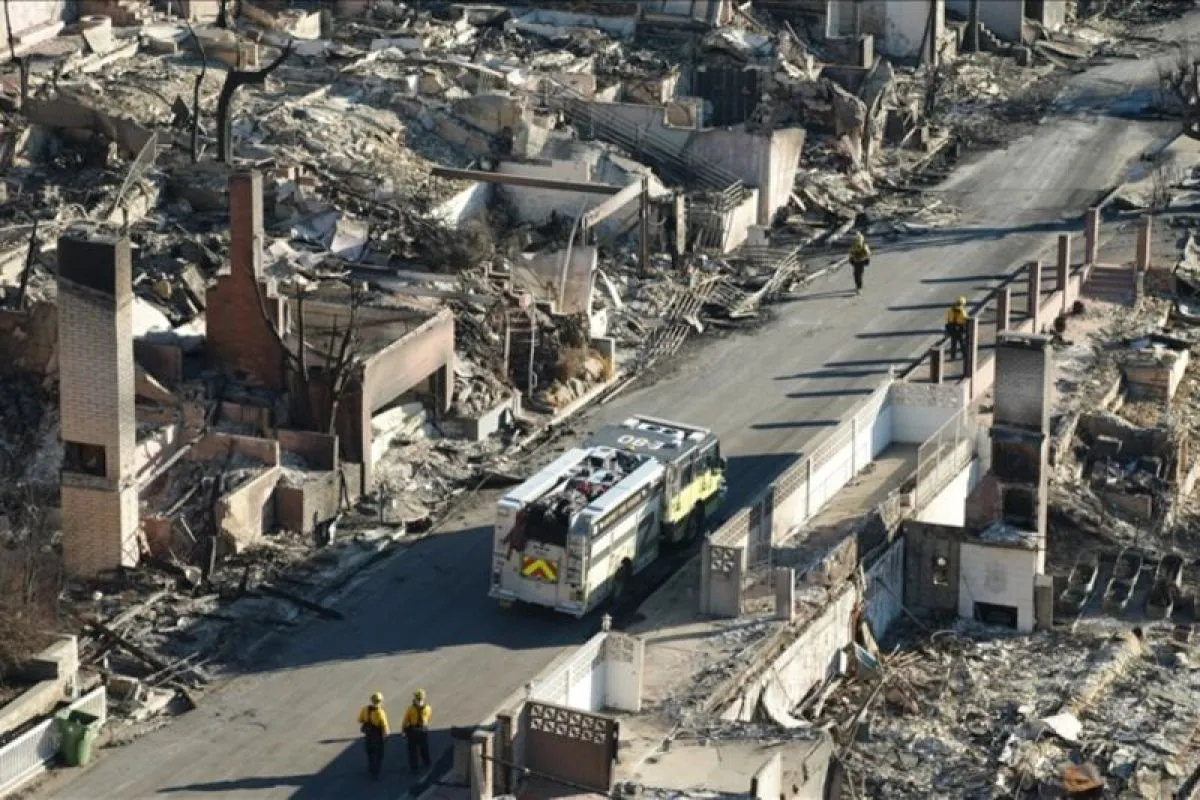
(346, 364)
(8, 27)
(30, 257)
(196, 94)
(234, 79)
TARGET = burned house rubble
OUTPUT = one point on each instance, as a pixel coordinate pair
(1031, 636)
(278, 278)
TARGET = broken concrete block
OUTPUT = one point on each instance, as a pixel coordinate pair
(123, 687)
(155, 702)
(432, 82)
(407, 44)
(97, 32)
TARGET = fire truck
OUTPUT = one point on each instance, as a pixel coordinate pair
(573, 536)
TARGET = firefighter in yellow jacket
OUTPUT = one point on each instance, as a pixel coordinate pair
(416, 729)
(860, 259)
(373, 722)
(956, 327)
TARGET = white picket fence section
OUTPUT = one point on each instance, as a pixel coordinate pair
(28, 754)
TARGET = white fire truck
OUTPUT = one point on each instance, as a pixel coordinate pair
(574, 534)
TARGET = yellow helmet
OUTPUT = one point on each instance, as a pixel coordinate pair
(419, 696)
(377, 699)
(962, 301)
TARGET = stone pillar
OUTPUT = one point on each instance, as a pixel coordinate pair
(785, 593)
(722, 568)
(971, 356)
(937, 363)
(1091, 235)
(1063, 268)
(1034, 299)
(96, 404)
(482, 766)
(1003, 309)
(1142, 262)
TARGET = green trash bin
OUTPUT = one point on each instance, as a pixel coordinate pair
(77, 733)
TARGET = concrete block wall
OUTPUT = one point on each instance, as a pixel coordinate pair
(949, 506)
(246, 513)
(319, 450)
(537, 205)
(297, 508)
(919, 410)
(793, 498)
(217, 445)
(96, 401)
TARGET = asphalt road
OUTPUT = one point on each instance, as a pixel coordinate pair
(423, 620)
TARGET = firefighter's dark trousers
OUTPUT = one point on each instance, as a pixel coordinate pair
(958, 340)
(418, 748)
(373, 739)
(860, 269)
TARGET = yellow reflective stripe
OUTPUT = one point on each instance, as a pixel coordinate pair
(533, 566)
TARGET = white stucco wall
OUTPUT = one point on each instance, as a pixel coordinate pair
(536, 205)
(949, 506)
(920, 409)
(1002, 17)
(466, 205)
(598, 675)
(766, 162)
(899, 26)
(29, 14)
(999, 575)
(814, 655)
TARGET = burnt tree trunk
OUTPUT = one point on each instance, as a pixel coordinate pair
(235, 79)
(195, 142)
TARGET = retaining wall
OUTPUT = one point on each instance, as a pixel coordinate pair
(897, 412)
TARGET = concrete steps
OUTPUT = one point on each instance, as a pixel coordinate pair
(1111, 284)
(988, 41)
